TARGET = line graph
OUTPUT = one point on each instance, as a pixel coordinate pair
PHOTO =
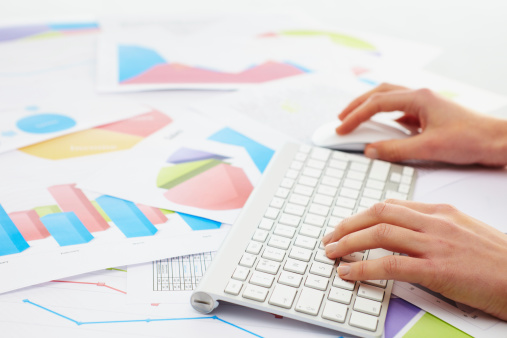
(147, 320)
(89, 283)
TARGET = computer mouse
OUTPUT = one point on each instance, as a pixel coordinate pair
(367, 132)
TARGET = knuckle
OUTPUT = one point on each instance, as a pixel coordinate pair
(378, 209)
(425, 94)
(361, 271)
(391, 265)
(381, 232)
(446, 209)
(385, 86)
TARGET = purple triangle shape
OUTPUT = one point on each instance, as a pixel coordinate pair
(189, 155)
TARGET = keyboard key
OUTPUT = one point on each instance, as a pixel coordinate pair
(316, 282)
(266, 224)
(353, 184)
(233, 287)
(262, 279)
(305, 148)
(356, 176)
(379, 170)
(331, 181)
(277, 202)
(296, 165)
(374, 184)
(285, 231)
(395, 195)
(319, 210)
(378, 253)
(350, 193)
(282, 193)
(254, 248)
(248, 260)
(320, 154)
(240, 273)
(368, 306)
(335, 311)
(291, 279)
(322, 199)
(260, 235)
(296, 266)
(377, 282)
(309, 301)
(287, 183)
(342, 212)
(274, 254)
(255, 292)
(321, 257)
(372, 193)
(371, 292)
(368, 202)
(321, 269)
(291, 173)
(294, 209)
(361, 167)
(300, 254)
(337, 164)
(345, 202)
(290, 220)
(303, 190)
(300, 157)
(315, 220)
(309, 181)
(353, 257)
(271, 213)
(315, 173)
(316, 164)
(310, 230)
(404, 188)
(363, 321)
(268, 266)
(407, 171)
(299, 199)
(279, 242)
(326, 190)
(340, 295)
(283, 296)
(305, 242)
(344, 284)
(395, 177)
(336, 173)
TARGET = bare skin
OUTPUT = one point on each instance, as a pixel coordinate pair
(449, 132)
(445, 250)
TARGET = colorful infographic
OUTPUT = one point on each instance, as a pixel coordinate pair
(141, 65)
(112, 137)
(38, 31)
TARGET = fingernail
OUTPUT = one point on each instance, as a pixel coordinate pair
(371, 152)
(327, 238)
(330, 248)
(343, 270)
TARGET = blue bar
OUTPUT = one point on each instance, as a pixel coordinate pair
(199, 223)
(260, 154)
(73, 26)
(127, 217)
(66, 228)
(11, 240)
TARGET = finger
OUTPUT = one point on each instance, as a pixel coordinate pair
(384, 87)
(402, 268)
(383, 235)
(401, 100)
(411, 148)
(379, 213)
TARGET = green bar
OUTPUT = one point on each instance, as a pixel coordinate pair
(101, 211)
(167, 212)
(47, 210)
(431, 326)
(169, 177)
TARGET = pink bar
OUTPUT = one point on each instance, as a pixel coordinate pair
(142, 125)
(29, 224)
(153, 214)
(69, 198)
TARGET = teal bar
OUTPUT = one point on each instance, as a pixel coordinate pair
(66, 228)
(127, 217)
(199, 223)
(11, 240)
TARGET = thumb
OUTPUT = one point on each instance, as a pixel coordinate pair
(397, 150)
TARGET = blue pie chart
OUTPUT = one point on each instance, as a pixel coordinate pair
(45, 123)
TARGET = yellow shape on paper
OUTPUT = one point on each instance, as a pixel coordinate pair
(50, 34)
(82, 143)
(431, 326)
(290, 107)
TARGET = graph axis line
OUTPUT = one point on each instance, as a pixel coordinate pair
(148, 320)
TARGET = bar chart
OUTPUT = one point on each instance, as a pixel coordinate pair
(74, 219)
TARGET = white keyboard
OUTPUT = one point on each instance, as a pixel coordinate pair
(273, 259)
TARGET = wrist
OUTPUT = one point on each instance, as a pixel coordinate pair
(495, 147)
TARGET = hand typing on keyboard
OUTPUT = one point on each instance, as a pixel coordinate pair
(448, 251)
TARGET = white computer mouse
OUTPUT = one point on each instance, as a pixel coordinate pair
(368, 132)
